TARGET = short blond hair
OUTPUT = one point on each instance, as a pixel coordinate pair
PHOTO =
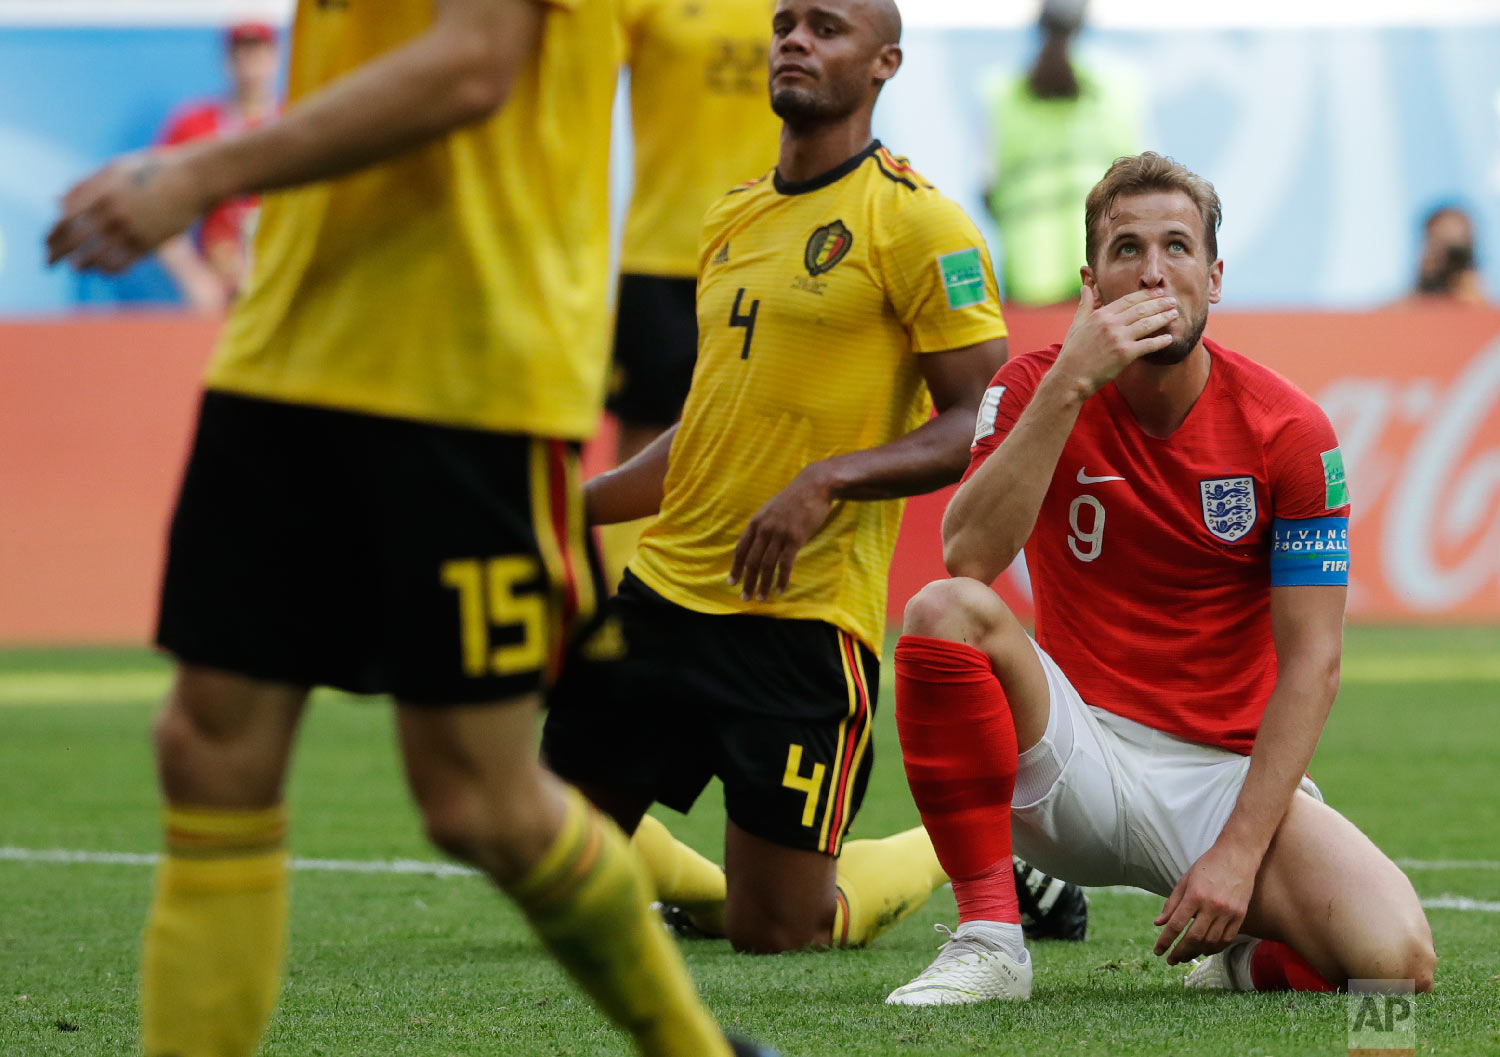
(1142, 174)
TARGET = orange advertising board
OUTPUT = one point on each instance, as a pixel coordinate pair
(95, 415)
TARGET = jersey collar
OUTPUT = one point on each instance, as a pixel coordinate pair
(837, 173)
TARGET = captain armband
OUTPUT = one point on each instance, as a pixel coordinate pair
(1309, 551)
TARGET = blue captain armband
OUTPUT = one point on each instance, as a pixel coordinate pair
(1311, 551)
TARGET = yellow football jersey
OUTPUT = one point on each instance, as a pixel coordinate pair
(700, 116)
(812, 300)
(463, 283)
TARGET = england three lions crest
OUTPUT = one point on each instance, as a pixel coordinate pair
(1228, 506)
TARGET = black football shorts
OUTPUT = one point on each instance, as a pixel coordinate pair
(664, 698)
(656, 346)
(320, 547)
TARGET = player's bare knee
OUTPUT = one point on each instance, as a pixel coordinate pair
(176, 740)
(1414, 954)
(769, 936)
(1405, 937)
(451, 821)
(774, 918)
(1423, 966)
(958, 609)
(1399, 947)
(194, 763)
(500, 834)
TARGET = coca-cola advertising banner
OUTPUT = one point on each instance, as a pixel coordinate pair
(1414, 395)
(95, 415)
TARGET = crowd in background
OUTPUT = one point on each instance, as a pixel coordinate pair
(1054, 127)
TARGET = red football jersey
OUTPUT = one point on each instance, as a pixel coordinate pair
(230, 223)
(1150, 559)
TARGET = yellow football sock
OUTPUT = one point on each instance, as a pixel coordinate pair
(588, 901)
(211, 962)
(680, 875)
(882, 881)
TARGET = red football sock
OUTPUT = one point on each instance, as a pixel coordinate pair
(958, 742)
(1276, 967)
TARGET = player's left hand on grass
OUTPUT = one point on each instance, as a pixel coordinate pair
(764, 555)
(1214, 896)
(124, 211)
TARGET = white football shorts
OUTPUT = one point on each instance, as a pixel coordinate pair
(1104, 800)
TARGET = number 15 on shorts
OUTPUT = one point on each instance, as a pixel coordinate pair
(498, 593)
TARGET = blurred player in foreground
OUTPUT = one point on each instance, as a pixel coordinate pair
(834, 294)
(1185, 516)
(382, 494)
(209, 266)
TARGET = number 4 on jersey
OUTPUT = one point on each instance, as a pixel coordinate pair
(747, 320)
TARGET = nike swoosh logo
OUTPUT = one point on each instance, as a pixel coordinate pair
(1084, 478)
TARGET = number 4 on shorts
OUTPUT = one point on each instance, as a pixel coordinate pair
(808, 786)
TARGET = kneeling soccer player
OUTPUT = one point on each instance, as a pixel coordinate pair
(1185, 516)
(834, 295)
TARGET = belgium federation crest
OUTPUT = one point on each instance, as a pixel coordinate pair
(1228, 506)
(828, 245)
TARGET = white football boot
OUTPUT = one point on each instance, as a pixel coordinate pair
(1229, 970)
(969, 968)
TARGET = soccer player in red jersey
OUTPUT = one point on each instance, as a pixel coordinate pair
(1185, 515)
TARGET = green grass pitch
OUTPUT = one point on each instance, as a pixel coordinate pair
(388, 964)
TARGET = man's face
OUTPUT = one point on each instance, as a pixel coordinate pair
(1447, 249)
(252, 65)
(1155, 242)
(827, 60)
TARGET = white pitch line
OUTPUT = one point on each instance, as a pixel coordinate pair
(1447, 902)
(1448, 864)
(126, 858)
(63, 855)
(426, 868)
(1442, 902)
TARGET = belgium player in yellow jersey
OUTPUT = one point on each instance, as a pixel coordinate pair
(839, 298)
(382, 494)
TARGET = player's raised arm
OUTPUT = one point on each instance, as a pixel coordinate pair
(993, 512)
(458, 72)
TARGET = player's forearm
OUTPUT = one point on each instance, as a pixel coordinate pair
(993, 512)
(439, 82)
(924, 460)
(1293, 722)
(634, 490)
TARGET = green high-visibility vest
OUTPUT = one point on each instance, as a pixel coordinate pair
(1048, 154)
